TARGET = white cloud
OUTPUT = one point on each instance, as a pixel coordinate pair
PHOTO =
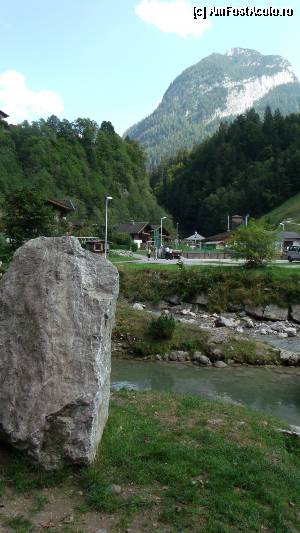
(22, 103)
(176, 16)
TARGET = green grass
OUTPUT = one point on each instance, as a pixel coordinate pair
(133, 327)
(115, 258)
(222, 285)
(189, 465)
(288, 210)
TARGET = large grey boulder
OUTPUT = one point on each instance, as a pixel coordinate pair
(57, 305)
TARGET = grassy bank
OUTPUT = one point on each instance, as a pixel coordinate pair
(166, 463)
(223, 286)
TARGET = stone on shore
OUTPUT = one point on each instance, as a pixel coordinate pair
(295, 313)
(57, 305)
(220, 364)
(289, 358)
(201, 359)
(273, 312)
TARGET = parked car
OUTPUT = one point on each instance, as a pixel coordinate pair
(293, 253)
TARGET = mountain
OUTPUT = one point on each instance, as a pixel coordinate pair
(217, 88)
(80, 161)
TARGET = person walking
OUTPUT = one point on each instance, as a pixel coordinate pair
(149, 253)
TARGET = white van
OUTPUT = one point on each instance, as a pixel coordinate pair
(293, 253)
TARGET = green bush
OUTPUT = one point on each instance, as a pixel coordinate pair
(162, 327)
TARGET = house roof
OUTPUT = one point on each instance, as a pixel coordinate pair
(219, 237)
(132, 227)
(289, 235)
(63, 205)
(3, 115)
(195, 237)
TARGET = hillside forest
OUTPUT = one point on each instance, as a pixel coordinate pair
(80, 161)
(247, 167)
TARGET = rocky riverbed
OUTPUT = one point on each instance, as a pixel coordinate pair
(226, 330)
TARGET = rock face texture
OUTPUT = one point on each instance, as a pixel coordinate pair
(216, 88)
(57, 305)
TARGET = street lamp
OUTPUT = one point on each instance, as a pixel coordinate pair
(163, 218)
(106, 218)
(281, 224)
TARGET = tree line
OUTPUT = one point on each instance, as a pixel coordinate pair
(247, 167)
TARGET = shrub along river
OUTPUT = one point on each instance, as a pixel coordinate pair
(274, 390)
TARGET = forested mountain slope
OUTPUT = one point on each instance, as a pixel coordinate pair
(248, 167)
(217, 88)
(80, 161)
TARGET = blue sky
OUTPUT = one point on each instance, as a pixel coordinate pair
(114, 59)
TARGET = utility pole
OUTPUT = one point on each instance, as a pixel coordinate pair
(228, 223)
(161, 239)
(106, 223)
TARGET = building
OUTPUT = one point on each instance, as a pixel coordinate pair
(217, 241)
(195, 239)
(288, 238)
(62, 208)
(3, 124)
(3, 115)
(93, 244)
(142, 232)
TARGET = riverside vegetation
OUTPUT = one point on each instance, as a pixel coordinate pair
(224, 287)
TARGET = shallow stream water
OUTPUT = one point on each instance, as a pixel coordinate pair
(273, 390)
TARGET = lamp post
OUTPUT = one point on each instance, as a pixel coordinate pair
(177, 233)
(163, 218)
(106, 219)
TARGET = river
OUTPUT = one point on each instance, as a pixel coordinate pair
(273, 390)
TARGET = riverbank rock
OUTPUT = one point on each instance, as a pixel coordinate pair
(220, 364)
(255, 312)
(223, 322)
(289, 358)
(138, 307)
(57, 304)
(201, 359)
(295, 313)
(178, 355)
(199, 299)
(273, 312)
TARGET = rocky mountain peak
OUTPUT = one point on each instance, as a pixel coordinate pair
(217, 88)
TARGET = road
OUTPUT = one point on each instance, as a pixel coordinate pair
(212, 262)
